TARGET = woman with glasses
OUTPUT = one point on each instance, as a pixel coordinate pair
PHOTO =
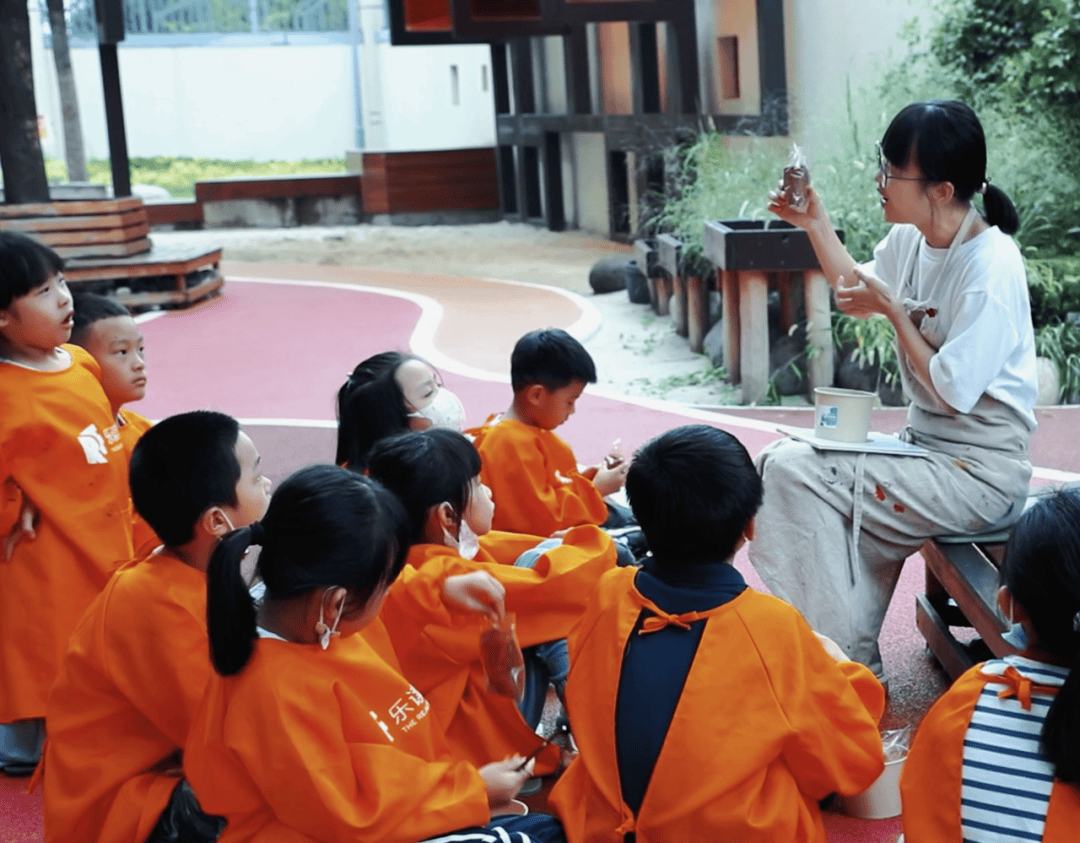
(836, 527)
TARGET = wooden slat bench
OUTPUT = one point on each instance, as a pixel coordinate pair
(107, 249)
(962, 580)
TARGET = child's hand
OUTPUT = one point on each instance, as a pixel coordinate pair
(477, 591)
(832, 648)
(610, 480)
(503, 779)
(615, 455)
(23, 529)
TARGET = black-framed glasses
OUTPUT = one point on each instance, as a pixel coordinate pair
(883, 176)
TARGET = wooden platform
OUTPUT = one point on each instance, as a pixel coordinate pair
(107, 249)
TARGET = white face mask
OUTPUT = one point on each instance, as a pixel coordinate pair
(321, 629)
(467, 543)
(445, 410)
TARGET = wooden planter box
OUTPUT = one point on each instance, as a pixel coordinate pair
(748, 255)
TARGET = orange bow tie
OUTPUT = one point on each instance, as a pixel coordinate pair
(1019, 686)
(662, 620)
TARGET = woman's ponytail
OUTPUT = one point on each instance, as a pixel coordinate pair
(230, 610)
(1061, 729)
(1000, 210)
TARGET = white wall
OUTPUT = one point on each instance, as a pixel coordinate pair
(830, 42)
(276, 102)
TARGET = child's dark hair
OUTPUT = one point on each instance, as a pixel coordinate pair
(181, 467)
(326, 526)
(948, 143)
(551, 358)
(91, 308)
(370, 407)
(25, 264)
(1042, 570)
(424, 468)
(693, 491)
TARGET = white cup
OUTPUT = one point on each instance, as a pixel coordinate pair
(882, 799)
(842, 415)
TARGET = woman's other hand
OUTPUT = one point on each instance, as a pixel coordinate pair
(863, 295)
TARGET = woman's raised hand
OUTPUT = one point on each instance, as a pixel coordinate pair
(778, 204)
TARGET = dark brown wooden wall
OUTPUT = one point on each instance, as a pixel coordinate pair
(445, 180)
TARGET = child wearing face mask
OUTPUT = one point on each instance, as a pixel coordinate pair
(998, 756)
(137, 663)
(386, 394)
(436, 474)
(310, 729)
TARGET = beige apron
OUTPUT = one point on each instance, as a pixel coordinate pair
(835, 527)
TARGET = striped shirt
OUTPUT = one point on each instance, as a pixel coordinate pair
(1006, 780)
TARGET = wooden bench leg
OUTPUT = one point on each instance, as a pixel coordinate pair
(680, 312)
(697, 312)
(754, 334)
(729, 293)
(663, 296)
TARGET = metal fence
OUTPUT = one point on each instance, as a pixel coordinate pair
(184, 17)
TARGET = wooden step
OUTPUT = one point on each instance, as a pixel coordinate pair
(105, 250)
(161, 260)
(95, 236)
(70, 209)
(32, 225)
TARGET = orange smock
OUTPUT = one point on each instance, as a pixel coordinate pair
(547, 599)
(767, 725)
(308, 744)
(120, 711)
(143, 536)
(534, 479)
(60, 446)
(930, 784)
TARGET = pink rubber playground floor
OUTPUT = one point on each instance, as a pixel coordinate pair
(276, 346)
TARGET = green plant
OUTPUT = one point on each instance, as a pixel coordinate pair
(1054, 288)
(1061, 343)
(872, 341)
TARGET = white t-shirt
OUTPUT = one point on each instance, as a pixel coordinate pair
(975, 312)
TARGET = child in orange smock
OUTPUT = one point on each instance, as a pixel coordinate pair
(138, 663)
(62, 464)
(705, 710)
(998, 756)
(310, 731)
(436, 474)
(104, 327)
(532, 473)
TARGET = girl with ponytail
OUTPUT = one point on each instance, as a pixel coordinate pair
(835, 528)
(436, 475)
(1000, 750)
(309, 729)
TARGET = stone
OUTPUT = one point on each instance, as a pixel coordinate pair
(1049, 381)
(783, 352)
(637, 285)
(609, 275)
(713, 347)
(151, 193)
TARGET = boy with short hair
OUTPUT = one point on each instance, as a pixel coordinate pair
(138, 661)
(705, 710)
(61, 456)
(532, 473)
(105, 328)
